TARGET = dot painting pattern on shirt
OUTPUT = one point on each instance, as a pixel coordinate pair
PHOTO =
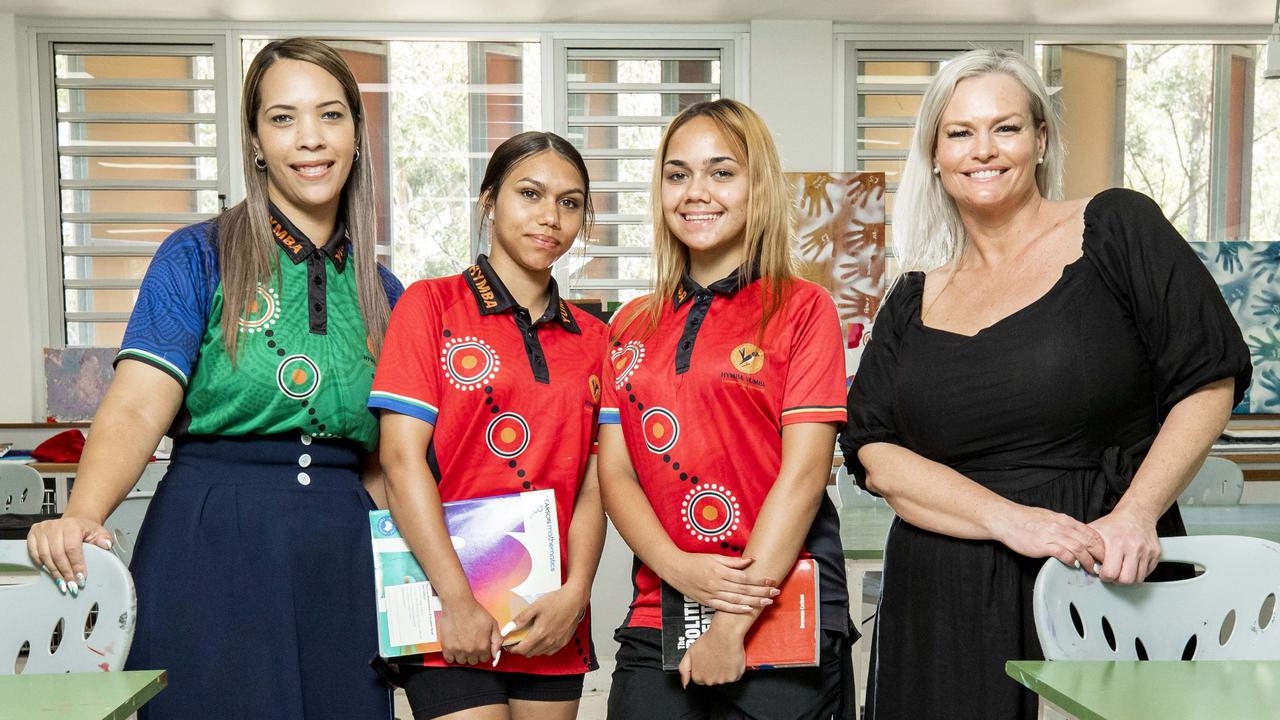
(512, 400)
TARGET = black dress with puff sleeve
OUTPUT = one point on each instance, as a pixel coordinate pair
(1054, 406)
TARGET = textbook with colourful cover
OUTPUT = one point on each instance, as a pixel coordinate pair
(785, 634)
(509, 547)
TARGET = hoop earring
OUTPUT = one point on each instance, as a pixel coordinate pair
(258, 162)
(357, 152)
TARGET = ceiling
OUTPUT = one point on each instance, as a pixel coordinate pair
(1048, 12)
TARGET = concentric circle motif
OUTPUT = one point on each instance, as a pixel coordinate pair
(298, 376)
(661, 429)
(508, 435)
(710, 513)
(263, 311)
(469, 362)
(593, 383)
(625, 361)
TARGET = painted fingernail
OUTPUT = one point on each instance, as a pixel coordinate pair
(506, 630)
(73, 589)
(1077, 562)
(62, 586)
(765, 601)
(46, 570)
(108, 542)
(1097, 568)
(497, 656)
(775, 592)
(80, 579)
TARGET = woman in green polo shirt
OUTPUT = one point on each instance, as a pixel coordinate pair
(253, 344)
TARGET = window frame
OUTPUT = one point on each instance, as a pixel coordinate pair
(46, 153)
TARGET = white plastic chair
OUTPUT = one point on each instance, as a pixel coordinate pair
(21, 489)
(35, 615)
(851, 494)
(1218, 482)
(1226, 613)
(126, 522)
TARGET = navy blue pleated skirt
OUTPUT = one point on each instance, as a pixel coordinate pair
(255, 583)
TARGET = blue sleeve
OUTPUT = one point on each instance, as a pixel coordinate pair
(393, 287)
(172, 309)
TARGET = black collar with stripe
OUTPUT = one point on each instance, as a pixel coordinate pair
(299, 248)
(689, 289)
(492, 298)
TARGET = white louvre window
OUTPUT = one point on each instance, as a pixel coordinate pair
(613, 102)
(884, 85)
(137, 142)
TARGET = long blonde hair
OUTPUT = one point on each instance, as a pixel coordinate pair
(768, 232)
(927, 231)
(247, 254)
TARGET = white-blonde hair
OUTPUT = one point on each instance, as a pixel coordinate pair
(927, 231)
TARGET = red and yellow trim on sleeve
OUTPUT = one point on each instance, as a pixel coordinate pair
(814, 413)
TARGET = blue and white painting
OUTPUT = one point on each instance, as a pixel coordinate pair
(1249, 275)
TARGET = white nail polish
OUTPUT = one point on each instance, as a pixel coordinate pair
(1077, 564)
(496, 658)
(80, 579)
(506, 629)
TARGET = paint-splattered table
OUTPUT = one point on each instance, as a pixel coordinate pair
(78, 696)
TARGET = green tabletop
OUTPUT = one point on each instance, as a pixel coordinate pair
(1107, 690)
(863, 527)
(1256, 520)
(78, 696)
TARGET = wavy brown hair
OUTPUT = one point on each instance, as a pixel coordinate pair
(247, 255)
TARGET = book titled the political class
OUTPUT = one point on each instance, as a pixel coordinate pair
(509, 547)
(785, 634)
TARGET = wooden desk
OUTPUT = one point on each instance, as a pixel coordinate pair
(78, 696)
(1102, 690)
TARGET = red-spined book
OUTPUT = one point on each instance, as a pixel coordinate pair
(785, 634)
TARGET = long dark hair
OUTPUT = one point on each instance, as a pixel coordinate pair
(525, 145)
(246, 253)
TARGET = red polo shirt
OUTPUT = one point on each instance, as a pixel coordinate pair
(702, 401)
(513, 400)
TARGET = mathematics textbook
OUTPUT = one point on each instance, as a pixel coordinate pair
(509, 547)
(785, 634)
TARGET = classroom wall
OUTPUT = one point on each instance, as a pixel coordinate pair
(21, 319)
(792, 87)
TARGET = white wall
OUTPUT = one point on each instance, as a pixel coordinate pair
(793, 89)
(21, 330)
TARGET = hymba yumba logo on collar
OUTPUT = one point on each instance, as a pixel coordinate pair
(747, 359)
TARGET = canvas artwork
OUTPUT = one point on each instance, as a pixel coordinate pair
(76, 380)
(1249, 275)
(840, 244)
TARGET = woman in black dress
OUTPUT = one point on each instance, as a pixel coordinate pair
(1042, 382)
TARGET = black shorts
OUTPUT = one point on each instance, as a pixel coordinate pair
(642, 690)
(436, 691)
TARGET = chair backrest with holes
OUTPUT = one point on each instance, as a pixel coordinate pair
(126, 522)
(21, 489)
(1226, 613)
(1218, 482)
(31, 613)
(852, 495)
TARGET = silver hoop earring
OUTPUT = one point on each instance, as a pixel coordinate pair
(357, 152)
(258, 162)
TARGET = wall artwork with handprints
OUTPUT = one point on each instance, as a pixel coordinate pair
(840, 245)
(1248, 273)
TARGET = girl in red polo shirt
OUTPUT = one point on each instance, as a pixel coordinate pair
(723, 392)
(488, 386)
